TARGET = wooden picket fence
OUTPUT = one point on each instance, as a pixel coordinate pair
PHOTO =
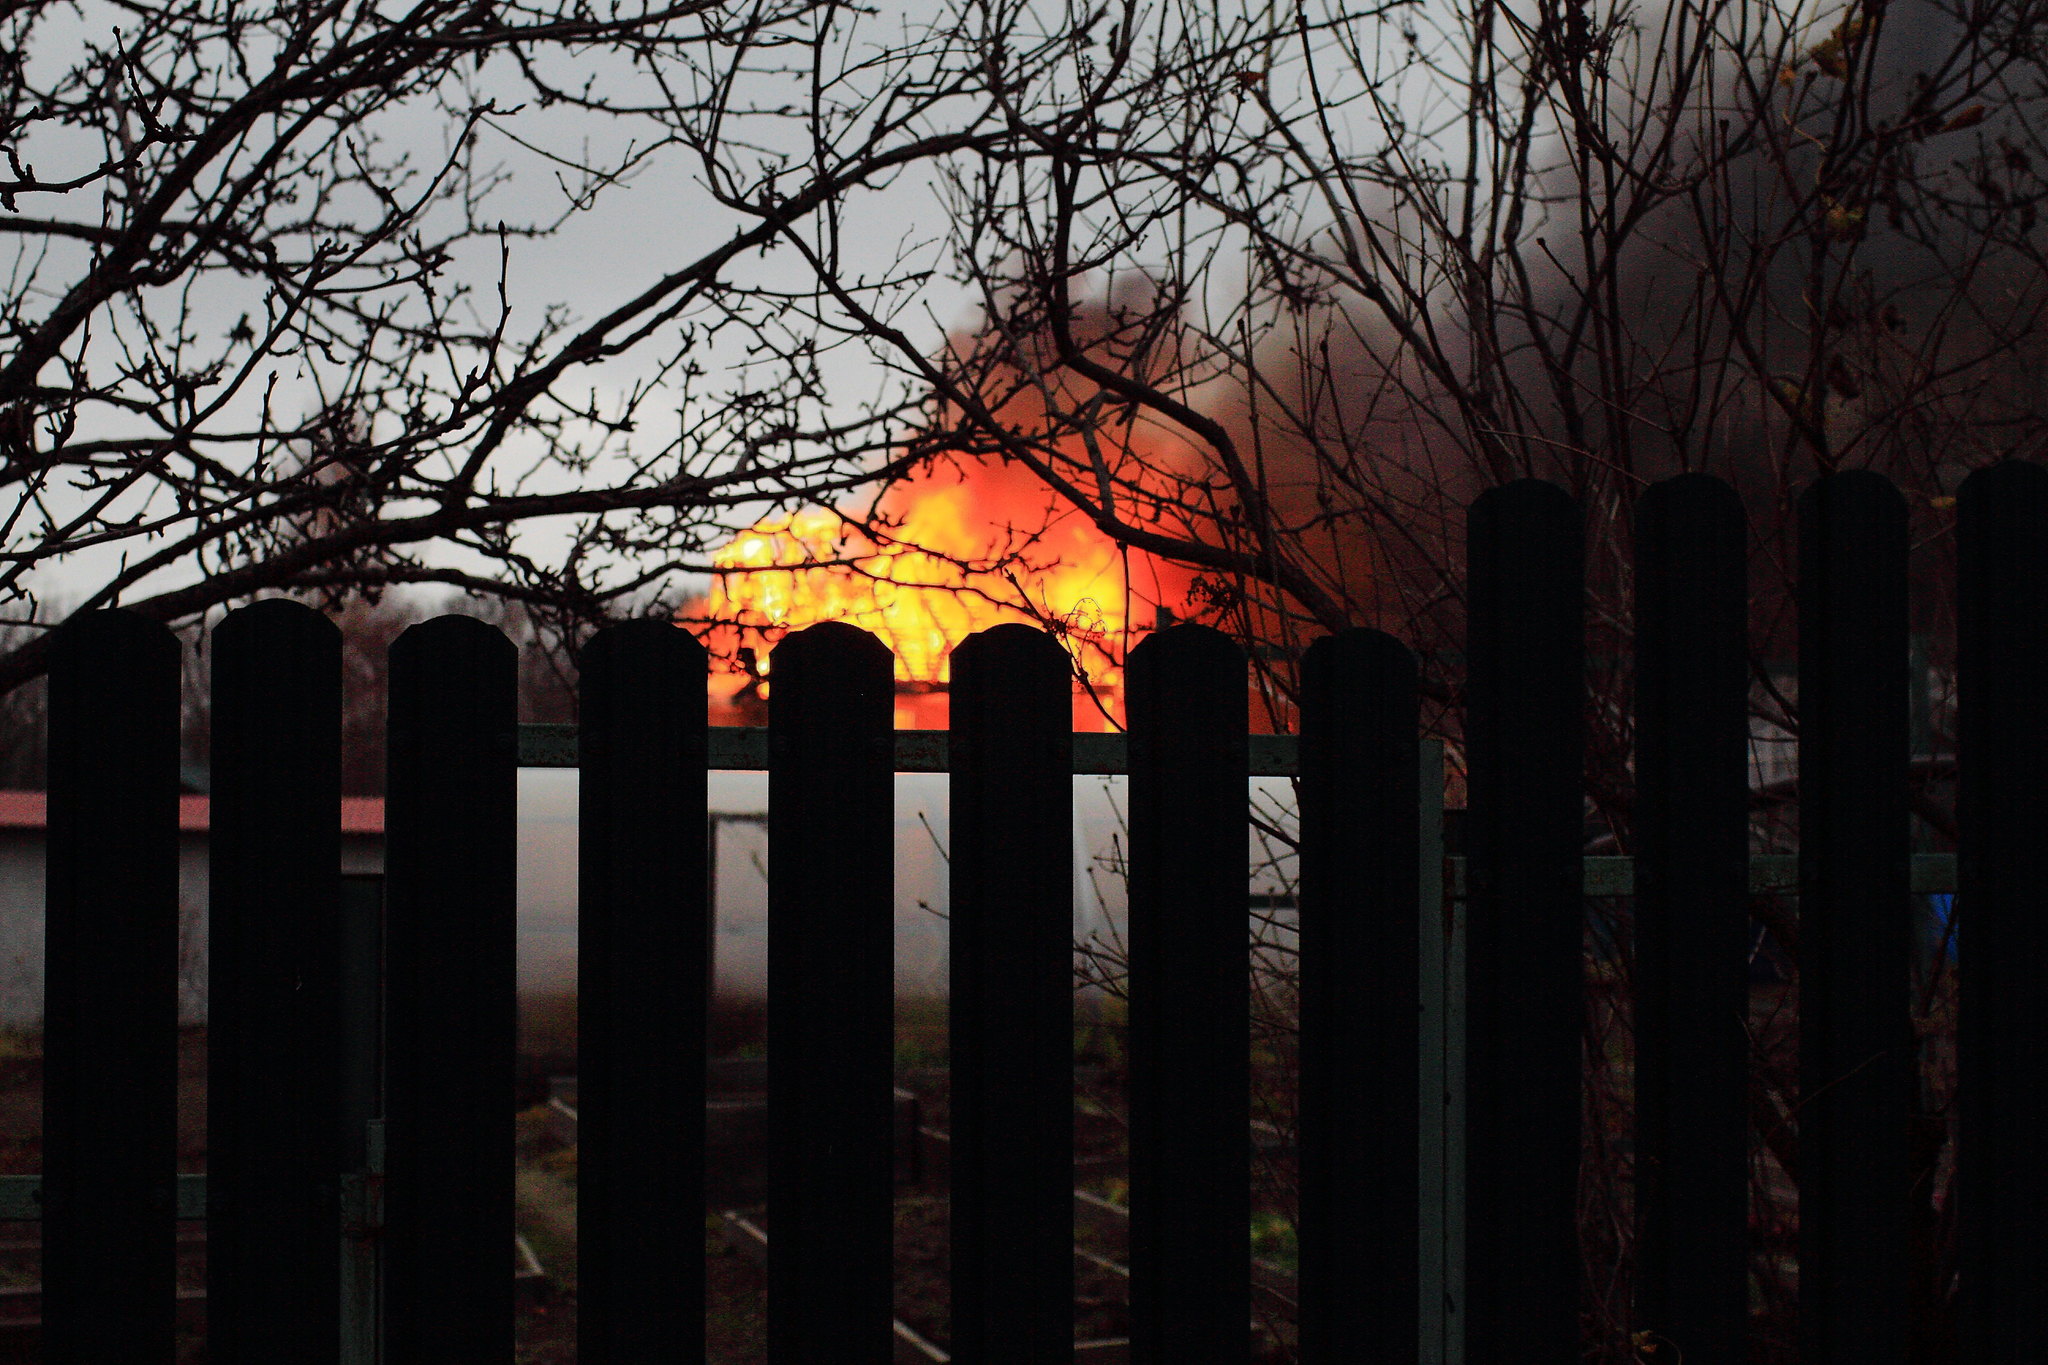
(295, 1122)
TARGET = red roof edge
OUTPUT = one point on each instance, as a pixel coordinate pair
(30, 810)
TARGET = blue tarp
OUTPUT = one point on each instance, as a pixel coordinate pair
(1941, 906)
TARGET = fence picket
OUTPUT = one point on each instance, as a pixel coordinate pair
(1011, 995)
(362, 1116)
(1692, 920)
(1856, 1055)
(831, 994)
(2002, 952)
(641, 973)
(1190, 998)
(1360, 1100)
(451, 1013)
(273, 1068)
(1410, 1044)
(110, 995)
(1524, 833)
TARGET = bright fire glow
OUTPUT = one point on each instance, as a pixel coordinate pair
(920, 593)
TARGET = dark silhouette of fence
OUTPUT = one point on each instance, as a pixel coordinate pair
(285, 1118)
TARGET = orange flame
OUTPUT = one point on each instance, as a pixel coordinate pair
(967, 548)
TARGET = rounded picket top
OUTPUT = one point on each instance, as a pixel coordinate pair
(1852, 496)
(114, 679)
(276, 689)
(1012, 647)
(1692, 498)
(277, 622)
(111, 638)
(1012, 695)
(646, 642)
(113, 709)
(1359, 652)
(1524, 552)
(2001, 647)
(1525, 566)
(1359, 685)
(2012, 491)
(1534, 502)
(830, 686)
(1692, 544)
(1360, 711)
(1188, 699)
(451, 636)
(2001, 517)
(1187, 646)
(649, 633)
(646, 674)
(453, 675)
(831, 648)
(1852, 564)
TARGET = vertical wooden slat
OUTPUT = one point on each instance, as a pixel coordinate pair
(1692, 920)
(362, 1112)
(1190, 1001)
(110, 996)
(640, 997)
(362, 1013)
(1360, 1000)
(1855, 923)
(1441, 1139)
(273, 1064)
(451, 814)
(2002, 936)
(1525, 833)
(1012, 999)
(831, 991)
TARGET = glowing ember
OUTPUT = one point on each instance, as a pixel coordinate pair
(926, 587)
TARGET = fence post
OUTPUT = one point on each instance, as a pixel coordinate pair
(1855, 922)
(1360, 1000)
(273, 1069)
(1525, 833)
(110, 999)
(1011, 967)
(642, 892)
(1190, 999)
(1692, 920)
(831, 998)
(2002, 748)
(450, 1004)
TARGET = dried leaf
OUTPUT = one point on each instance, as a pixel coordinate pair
(1842, 379)
(1844, 221)
(1832, 55)
(1968, 118)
